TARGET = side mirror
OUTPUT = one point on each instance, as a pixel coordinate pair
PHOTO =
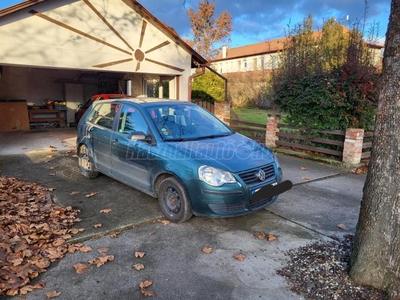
(80, 105)
(139, 136)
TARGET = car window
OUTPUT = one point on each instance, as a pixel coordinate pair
(88, 103)
(132, 120)
(186, 122)
(103, 114)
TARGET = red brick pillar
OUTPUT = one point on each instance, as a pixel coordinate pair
(352, 148)
(222, 110)
(272, 129)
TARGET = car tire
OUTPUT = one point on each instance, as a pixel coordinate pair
(174, 200)
(86, 164)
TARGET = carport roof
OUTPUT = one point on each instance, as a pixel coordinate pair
(197, 59)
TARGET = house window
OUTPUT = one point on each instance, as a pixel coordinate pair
(239, 65)
(262, 63)
(254, 64)
(273, 62)
(244, 65)
(151, 87)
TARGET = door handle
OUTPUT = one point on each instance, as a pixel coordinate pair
(114, 142)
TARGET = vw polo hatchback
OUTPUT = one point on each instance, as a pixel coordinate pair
(179, 153)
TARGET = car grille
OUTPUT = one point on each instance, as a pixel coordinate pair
(224, 208)
(249, 177)
(261, 203)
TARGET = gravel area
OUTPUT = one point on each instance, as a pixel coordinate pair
(320, 271)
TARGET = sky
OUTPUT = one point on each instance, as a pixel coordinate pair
(261, 20)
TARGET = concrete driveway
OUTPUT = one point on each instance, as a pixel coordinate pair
(322, 197)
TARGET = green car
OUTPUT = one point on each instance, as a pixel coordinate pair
(179, 153)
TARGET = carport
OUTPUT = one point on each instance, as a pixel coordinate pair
(62, 52)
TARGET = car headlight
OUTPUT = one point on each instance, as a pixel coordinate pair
(214, 176)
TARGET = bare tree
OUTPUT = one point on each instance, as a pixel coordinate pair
(376, 256)
(207, 30)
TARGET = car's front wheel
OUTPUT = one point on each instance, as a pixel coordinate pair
(86, 164)
(174, 200)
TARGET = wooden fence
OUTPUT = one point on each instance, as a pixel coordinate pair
(205, 104)
(328, 142)
(252, 130)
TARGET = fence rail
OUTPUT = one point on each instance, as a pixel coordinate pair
(329, 142)
(206, 105)
(254, 131)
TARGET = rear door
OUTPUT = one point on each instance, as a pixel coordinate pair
(100, 134)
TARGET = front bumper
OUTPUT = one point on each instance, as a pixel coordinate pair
(233, 199)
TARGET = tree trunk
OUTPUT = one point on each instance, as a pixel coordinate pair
(375, 259)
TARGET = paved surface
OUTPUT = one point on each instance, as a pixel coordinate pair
(322, 197)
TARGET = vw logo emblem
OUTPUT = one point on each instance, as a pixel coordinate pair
(260, 175)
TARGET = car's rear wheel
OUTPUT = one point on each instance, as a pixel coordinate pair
(174, 200)
(86, 164)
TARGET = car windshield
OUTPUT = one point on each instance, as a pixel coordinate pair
(180, 122)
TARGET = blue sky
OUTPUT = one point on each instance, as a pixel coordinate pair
(260, 20)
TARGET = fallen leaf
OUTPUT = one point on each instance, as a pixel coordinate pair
(85, 249)
(12, 292)
(303, 168)
(74, 193)
(103, 250)
(166, 222)
(139, 254)
(101, 260)
(342, 226)
(145, 284)
(305, 177)
(147, 293)
(239, 256)
(259, 235)
(75, 155)
(114, 234)
(76, 230)
(138, 266)
(92, 194)
(97, 225)
(152, 233)
(52, 294)
(106, 211)
(271, 237)
(207, 250)
(52, 174)
(29, 288)
(81, 268)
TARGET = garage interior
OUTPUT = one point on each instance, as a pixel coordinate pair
(55, 55)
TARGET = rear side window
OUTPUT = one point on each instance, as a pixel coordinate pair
(103, 115)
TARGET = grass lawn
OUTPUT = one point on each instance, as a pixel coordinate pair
(254, 115)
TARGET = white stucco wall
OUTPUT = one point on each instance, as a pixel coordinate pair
(71, 35)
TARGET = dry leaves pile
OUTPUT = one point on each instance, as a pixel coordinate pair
(33, 233)
(320, 271)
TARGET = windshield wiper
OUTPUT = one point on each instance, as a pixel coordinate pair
(212, 136)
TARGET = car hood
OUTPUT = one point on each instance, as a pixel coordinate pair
(234, 153)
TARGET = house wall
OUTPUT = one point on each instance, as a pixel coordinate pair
(71, 35)
(250, 63)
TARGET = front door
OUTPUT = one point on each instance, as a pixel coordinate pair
(131, 160)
